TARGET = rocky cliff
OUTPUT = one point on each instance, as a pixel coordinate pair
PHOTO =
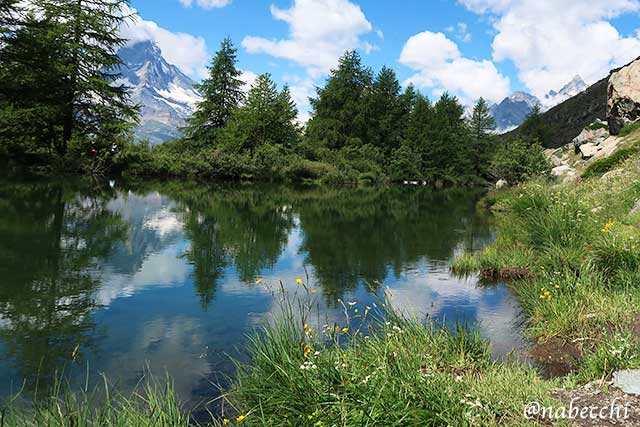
(623, 101)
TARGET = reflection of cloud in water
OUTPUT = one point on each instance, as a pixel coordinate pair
(161, 344)
(162, 269)
(442, 297)
(164, 222)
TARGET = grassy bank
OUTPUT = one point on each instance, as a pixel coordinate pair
(152, 405)
(573, 255)
(394, 372)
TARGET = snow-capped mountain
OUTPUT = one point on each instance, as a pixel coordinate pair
(165, 94)
(571, 89)
(512, 111)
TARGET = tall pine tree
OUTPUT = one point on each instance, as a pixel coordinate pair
(482, 123)
(69, 46)
(338, 114)
(266, 118)
(222, 95)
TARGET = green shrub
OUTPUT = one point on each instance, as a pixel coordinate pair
(518, 160)
(301, 169)
(598, 125)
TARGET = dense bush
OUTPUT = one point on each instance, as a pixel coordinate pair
(518, 160)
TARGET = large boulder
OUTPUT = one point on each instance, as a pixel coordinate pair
(589, 150)
(593, 136)
(623, 96)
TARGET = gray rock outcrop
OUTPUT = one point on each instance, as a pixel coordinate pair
(623, 96)
(628, 381)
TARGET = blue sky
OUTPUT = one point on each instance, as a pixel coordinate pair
(471, 48)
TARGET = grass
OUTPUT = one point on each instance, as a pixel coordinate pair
(630, 128)
(394, 372)
(153, 405)
(579, 244)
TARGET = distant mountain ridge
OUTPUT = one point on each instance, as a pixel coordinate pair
(166, 95)
(513, 110)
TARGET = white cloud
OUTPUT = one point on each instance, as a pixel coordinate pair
(441, 67)
(460, 31)
(186, 51)
(319, 33)
(206, 4)
(301, 90)
(249, 78)
(549, 41)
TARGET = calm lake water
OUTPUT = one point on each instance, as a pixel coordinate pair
(163, 277)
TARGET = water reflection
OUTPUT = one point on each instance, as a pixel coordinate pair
(165, 276)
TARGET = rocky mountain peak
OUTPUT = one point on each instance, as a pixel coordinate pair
(569, 90)
(166, 95)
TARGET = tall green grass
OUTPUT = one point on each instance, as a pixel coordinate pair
(394, 372)
(153, 405)
(581, 246)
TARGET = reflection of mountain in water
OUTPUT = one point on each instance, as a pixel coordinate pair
(152, 226)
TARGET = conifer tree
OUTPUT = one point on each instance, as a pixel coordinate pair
(482, 123)
(222, 95)
(533, 129)
(384, 111)
(338, 115)
(266, 118)
(70, 46)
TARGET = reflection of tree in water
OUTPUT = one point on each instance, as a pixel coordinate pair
(50, 237)
(349, 235)
(362, 234)
(247, 227)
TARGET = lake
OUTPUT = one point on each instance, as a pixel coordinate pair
(162, 277)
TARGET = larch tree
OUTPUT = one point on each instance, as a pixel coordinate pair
(67, 51)
(222, 94)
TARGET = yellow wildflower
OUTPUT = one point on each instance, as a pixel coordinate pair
(259, 281)
(299, 281)
(345, 330)
(225, 421)
(608, 226)
(241, 418)
(307, 350)
(313, 291)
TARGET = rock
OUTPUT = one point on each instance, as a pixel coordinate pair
(589, 150)
(501, 184)
(623, 100)
(565, 173)
(590, 136)
(561, 170)
(628, 381)
(636, 208)
(612, 174)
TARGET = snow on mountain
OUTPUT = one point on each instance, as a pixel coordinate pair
(165, 94)
(571, 89)
(512, 111)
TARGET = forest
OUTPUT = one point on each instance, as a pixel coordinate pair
(62, 111)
